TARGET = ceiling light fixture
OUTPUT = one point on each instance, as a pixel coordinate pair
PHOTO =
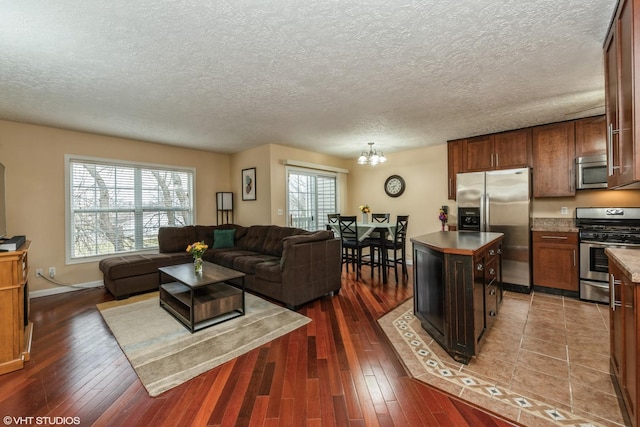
(371, 157)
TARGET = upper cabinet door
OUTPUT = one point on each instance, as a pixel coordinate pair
(513, 149)
(622, 142)
(480, 154)
(591, 136)
(504, 150)
(554, 160)
(455, 159)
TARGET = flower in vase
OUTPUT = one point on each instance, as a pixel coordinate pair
(197, 249)
(364, 209)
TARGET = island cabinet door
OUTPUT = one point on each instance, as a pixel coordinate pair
(429, 291)
(459, 311)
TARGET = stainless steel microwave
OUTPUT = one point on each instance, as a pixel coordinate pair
(591, 172)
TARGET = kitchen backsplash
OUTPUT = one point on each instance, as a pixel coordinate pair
(554, 224)
(551, 207)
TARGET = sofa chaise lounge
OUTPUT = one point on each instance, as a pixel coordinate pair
(286, 264)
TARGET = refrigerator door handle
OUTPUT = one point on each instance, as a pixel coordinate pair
(482, 213)
(487, 222)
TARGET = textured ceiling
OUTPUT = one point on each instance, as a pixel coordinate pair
(325, 75)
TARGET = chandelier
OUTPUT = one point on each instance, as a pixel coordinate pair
(371, 157)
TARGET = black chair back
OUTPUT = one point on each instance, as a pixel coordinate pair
(402, 223)
(333, 218)
(332, 223)
(348, 227)
(380, 217)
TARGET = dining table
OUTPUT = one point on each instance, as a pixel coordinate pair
(366, 230)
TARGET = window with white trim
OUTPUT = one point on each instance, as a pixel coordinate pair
(117, 207)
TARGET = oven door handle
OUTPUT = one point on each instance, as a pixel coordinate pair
(607, 245)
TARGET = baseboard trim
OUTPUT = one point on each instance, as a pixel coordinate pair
(64, 289)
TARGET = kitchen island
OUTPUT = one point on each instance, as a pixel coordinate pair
(457, 287)
(624, 326)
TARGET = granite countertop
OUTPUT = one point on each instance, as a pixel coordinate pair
(457, 242)
(628, 260)
(563, 225)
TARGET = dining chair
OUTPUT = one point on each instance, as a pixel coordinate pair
(398, 244)
(332, 222)
(380, 217)
(376, 245)
(351, 246)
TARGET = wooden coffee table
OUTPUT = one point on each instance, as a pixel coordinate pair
(200, 301)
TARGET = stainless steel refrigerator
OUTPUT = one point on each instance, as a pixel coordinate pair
(500, 201)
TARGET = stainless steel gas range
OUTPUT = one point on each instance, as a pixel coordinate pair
(601, 228)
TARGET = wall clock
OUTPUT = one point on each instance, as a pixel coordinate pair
(394, 186)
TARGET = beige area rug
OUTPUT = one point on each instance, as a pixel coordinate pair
(427, 362)
(165, 354)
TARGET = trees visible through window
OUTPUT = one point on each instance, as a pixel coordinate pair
(311, 196)
(117, 208)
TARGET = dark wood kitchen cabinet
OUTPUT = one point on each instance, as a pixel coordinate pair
(505, 150)
(513, 149)
(457, 288)
(591, 136)
(455, 163)
(480, 153)
(624, 323)
(622, 95)
(554, 154)
(555, 261)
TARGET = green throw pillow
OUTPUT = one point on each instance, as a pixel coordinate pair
(223, 238)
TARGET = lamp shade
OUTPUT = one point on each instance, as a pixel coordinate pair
(224, 201)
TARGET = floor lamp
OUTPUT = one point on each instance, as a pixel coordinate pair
(224, 206)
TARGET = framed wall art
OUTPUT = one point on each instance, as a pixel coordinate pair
(249, 184)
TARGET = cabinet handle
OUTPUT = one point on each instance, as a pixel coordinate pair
(612, 284)
(479, 267)
(499, 251)
(492, 292)
(491, 157)
(497, 160)
(492, 272)
(492, 252)
(555, 237)
(610, 132)
(492, 313)
(574, 257)
(450, 185)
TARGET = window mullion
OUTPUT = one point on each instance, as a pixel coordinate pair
(138, 211)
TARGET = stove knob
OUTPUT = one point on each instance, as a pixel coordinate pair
(605, 237)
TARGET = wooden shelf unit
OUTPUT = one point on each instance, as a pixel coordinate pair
(15, 327)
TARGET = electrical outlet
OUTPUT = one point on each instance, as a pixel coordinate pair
(38, 272)
(52, 272)
(564, 210)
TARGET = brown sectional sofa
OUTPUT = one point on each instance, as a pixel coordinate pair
(287, 264)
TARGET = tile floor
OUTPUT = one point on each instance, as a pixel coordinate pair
(544, 362)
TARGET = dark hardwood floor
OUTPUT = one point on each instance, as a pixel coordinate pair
(337, 370)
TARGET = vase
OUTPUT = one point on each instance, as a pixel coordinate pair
(365, 217)
(197, 265)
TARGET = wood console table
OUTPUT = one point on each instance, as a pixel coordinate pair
(15, 327)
